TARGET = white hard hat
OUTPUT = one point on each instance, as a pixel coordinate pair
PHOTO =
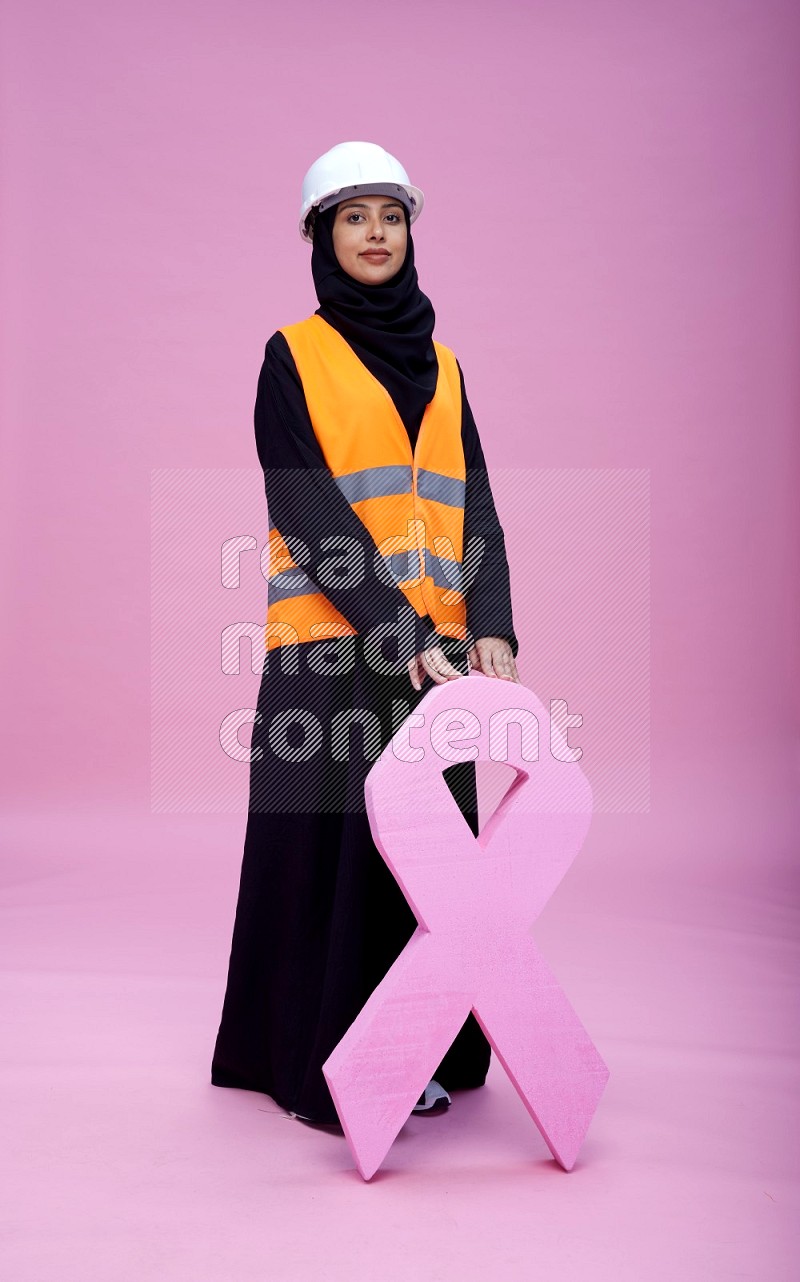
(352, 167)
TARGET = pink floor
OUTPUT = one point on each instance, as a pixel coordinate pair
(125, 1163)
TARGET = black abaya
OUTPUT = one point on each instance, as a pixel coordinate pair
(319, 917)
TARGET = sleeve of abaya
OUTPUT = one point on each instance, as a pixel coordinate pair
(489, 595)
(305, 503)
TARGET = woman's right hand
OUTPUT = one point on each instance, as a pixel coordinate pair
(435, 662)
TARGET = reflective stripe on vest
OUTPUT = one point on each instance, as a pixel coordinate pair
(412, 504)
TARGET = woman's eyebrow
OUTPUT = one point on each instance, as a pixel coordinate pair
(352, 204)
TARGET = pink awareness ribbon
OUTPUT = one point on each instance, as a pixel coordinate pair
(475, 901)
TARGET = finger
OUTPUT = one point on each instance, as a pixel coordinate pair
(512, 665)
(472, 657)
(413, 672)
(440, 666)
(430, 667)
(446, 667)
(487, 667)
(502, 663)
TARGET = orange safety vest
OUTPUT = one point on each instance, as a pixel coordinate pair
(412, 503)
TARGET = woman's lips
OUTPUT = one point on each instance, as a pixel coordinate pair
(375, 255)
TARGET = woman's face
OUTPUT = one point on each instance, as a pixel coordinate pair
(370, 238)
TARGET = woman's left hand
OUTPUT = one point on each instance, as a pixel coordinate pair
(494, 657)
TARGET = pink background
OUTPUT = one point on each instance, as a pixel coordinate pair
(610, 242)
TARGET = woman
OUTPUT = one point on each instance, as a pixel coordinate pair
(373, 471)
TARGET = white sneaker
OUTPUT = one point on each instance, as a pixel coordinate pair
(434, 1099)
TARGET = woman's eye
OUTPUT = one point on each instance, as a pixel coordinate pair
(356, 216)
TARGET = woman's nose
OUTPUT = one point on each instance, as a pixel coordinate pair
(375, 231)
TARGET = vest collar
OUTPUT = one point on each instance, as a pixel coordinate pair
(352, 358)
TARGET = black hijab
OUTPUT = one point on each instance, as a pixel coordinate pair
(389, 326)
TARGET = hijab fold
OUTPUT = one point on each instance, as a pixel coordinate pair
(389, 326)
